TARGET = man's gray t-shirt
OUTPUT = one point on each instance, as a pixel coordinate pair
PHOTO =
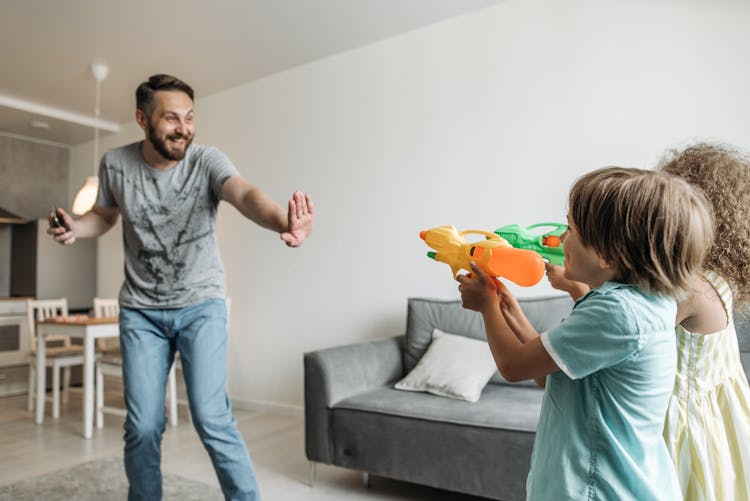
(169, 224)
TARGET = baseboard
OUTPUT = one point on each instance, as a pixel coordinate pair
(246, 404)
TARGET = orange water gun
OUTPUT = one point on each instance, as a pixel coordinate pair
(494, 255)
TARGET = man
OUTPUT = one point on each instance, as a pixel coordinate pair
(167, 191)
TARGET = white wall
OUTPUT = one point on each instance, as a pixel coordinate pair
(480, 121)
(65, 271)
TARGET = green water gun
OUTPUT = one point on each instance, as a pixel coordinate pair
(547, 245)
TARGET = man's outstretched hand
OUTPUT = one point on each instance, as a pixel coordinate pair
(300, 220)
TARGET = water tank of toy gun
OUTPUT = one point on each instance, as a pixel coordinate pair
(522, 267)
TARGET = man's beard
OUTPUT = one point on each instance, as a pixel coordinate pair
(160, 145)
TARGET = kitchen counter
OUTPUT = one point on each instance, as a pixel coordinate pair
(15, 306)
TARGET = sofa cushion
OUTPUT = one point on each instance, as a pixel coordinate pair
(478, 460)
(408, 436)
(453, 366)
(424, 315)
(501, 406)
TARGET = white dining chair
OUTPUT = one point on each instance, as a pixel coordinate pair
(107, 307)
(61, 353)
(109, 363)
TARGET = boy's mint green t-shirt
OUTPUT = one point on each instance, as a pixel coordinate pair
(599, 435)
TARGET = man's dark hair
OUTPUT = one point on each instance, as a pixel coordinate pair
(144, 94)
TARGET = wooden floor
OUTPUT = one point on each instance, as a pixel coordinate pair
(275, 441)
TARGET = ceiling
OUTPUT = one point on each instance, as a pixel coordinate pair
(49, 46)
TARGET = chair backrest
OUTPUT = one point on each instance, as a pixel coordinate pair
(106, 307)
(38, 310)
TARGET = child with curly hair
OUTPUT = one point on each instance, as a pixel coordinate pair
(707, 427)
(636, 238)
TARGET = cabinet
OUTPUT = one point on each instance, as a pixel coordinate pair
(14, 380)
(14, 347)
(35, 177)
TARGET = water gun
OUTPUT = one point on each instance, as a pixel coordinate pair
(494, 255)
(547, 245)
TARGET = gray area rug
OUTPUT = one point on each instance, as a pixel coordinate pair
(103, 479)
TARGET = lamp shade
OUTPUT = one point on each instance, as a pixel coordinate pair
(86, 196)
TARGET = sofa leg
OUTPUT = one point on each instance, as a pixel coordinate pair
(366, 480)
(311, 473)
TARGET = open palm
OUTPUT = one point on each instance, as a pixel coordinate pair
(301, 220)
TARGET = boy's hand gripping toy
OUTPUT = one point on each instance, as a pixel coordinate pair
(547, 245)
(494, 255)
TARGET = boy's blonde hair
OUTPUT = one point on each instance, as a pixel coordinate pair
(724, 177)
(652, 228)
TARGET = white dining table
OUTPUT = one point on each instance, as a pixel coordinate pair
(88, 329)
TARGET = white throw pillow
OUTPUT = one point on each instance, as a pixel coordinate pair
(453, 366)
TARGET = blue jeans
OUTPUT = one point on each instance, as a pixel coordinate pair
(148, 340)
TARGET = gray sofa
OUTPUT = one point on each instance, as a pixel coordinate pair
(355, 419)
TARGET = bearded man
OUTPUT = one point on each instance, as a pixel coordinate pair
(167, 190)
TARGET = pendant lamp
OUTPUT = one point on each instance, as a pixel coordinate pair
(86, 196)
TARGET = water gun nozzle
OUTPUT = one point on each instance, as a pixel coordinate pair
(551, 241)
